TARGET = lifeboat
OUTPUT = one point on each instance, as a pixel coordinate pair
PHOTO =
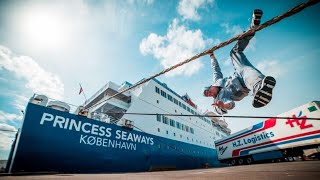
(214, 119)
(41, 100)
(59, 105)
(228, 130)
(223, 123)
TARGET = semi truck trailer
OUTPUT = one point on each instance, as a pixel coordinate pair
(275, 138)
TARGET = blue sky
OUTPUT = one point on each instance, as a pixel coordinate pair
(48, 47)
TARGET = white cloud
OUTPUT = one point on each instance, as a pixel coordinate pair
(38, 80)
(232, 30)
(6, 137)
(3, 79)
(188, 9)
(9, 117)
(177, 45)
(148, 2)
(235, 30)
(271, 68)
(7, 127)
(20, 102)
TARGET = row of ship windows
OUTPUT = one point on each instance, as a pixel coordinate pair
(179, 125)
(174, 100)
(200, 142)
(174, 123)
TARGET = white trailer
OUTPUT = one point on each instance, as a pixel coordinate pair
(273, 138)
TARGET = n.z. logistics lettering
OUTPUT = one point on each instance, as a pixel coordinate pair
(253, 139)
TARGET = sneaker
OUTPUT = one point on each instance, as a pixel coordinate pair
(264, 95)
(256, 18)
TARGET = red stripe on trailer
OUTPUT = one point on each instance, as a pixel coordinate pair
(237, 151)
(267, 124)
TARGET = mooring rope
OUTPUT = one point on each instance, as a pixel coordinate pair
(274, 20)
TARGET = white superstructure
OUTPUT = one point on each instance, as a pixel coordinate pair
(155, 97)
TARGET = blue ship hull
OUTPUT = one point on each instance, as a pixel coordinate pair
(56, 141)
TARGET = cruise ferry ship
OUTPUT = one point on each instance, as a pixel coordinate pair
(107, 136)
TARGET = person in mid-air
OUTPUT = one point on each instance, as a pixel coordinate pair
(246, 78)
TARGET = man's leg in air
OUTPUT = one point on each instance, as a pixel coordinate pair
(252, 78)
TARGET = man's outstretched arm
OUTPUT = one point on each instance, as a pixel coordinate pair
(216, 71)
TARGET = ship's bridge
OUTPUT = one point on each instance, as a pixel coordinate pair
(109, 89)
(99, 108)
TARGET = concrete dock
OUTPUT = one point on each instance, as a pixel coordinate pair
(305, 170)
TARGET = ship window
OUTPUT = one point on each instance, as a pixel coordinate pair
(172, 123)
(175, 101)
(183, 127)
(180, 136)
(187, 128)
(158, 101)
(180, 104)
(167, 132)
(164, 94)
(157, 90)
(174, 134)
(208, 121)
(187, 138)
(158, 129)
(192, 130)
(188, 109)
(178, 125)
(192, 111)
(165, 120)
(158, 117)
(184, 106)
(170, 97)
